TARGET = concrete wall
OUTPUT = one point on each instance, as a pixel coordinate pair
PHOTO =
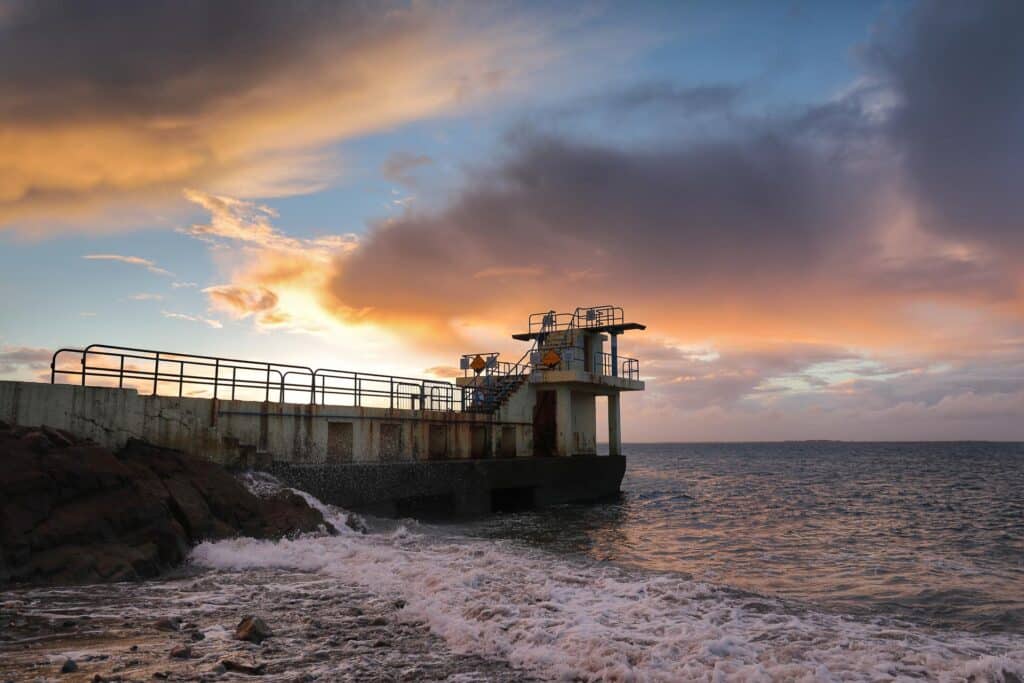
(255, 433)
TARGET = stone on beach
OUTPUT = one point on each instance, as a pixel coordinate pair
(252, 629)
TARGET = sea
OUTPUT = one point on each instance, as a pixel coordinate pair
(802, 561)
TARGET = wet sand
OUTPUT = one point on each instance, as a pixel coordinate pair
(323, 629)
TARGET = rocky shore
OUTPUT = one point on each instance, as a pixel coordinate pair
(73, 512)
(194, 625)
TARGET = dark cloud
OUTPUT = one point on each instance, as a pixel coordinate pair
(669, 97)
(680, 219)
(956, 72)
(132, 101)
(106, 56)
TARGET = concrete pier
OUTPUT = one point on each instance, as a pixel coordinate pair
(504, 436)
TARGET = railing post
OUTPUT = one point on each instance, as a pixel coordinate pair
(216, 373)
(391, 392)
(615, 355)
(266, 386)
(83, 367)
(181, 376)
(234, 371)
(120, 374)
(156, 372)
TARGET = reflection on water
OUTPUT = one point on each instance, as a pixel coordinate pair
(933, 533)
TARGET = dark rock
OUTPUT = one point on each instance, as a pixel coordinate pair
(1010, 677)
(69, 667)
(219, 669)
(183, 652)
(73, 512)
(162, 674)
(197, 636)
(252, 629)
(167, 624)
(356, 523)
(238, 667)
(58, 438)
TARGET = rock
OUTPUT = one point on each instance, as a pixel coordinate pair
(183, 652)
(219, 669)
(252, 629)
(69, 666)
(1010, 677)
(238, 667)
(74, 512)
(167, 624)
(356, 523)
(162, 674)
(196, 636)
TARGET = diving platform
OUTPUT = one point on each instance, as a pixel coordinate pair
(504, 435)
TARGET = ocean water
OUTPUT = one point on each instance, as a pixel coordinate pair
(932, 533)
(780, 562)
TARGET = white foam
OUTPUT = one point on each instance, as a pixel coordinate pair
(566, 620)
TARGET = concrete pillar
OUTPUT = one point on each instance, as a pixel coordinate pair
(614, 425)
(563, 418)
(615, 357)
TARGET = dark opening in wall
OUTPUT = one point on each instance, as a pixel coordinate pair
(512, 500)
(437, 446)
(508, 441)
(390, 441)
(480, 446)
(339, 442)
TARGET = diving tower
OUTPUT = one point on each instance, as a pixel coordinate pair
(503, 435)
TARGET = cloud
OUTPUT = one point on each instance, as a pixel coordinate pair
(183, 285)
(236, 97)
(216, 324)
(14, 358)
(146, 297)
(132, 260)
(953, 73)
(400, 166)
(275, 278)
(242, 301)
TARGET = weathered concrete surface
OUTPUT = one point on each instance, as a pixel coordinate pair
(461, 488)
(252, 433)
(383, 459)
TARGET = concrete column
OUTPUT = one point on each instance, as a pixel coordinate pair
(615, 357)
(614, 425)
(563, 418)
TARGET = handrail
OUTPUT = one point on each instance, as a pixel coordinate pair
(149, 368)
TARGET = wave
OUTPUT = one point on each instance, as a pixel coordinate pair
(567, 619)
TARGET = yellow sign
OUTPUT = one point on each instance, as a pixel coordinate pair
(478, 364)
(551, 359)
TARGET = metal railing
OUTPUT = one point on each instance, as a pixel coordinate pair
(192, 375)
(582, 318)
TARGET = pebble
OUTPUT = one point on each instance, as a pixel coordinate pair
(69, 666)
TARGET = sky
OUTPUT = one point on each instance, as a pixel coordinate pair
(815, 207)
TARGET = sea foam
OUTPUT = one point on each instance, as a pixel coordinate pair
(567, 619)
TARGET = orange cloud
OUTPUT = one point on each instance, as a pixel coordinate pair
(233, 98)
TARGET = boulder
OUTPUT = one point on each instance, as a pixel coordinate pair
(74, 512)
(252, 629)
